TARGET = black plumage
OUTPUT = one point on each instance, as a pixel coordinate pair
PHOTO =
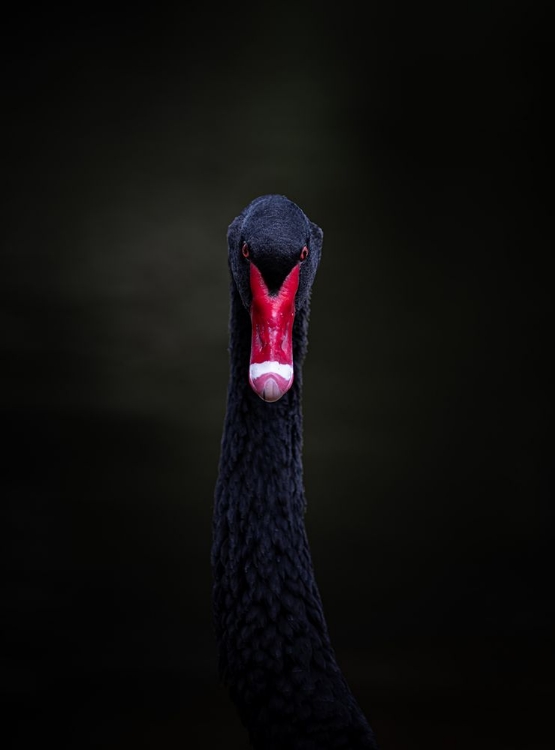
(274, 648)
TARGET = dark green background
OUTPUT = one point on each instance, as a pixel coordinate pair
(415, 136)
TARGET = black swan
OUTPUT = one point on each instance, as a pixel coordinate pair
(274, 649)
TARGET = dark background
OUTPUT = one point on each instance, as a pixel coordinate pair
(415, 136)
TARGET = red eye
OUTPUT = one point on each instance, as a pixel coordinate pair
(304, 252)
(245, 250)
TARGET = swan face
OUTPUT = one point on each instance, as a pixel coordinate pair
(275, 231)
(274, 251)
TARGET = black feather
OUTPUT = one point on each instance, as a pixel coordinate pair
(274, 648)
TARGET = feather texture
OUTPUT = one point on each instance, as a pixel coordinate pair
(274, 647)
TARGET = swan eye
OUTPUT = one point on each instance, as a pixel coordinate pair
(304, 253)
(245, 250)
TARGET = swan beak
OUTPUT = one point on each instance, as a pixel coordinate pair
(272, 317)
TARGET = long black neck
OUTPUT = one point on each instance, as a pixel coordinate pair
(275, 652)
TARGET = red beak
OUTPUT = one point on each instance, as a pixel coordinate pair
(272, 316)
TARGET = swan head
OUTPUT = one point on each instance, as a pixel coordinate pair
(274, 252)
